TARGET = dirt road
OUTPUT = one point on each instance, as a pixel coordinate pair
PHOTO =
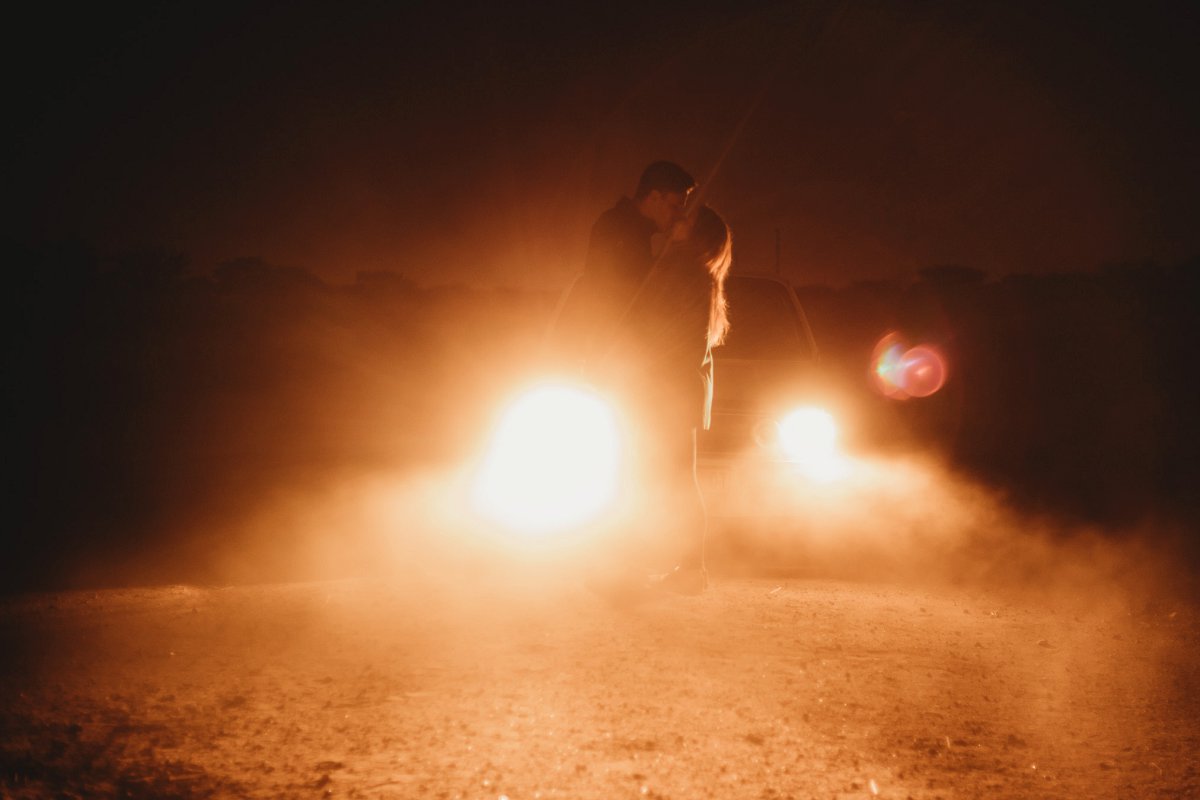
(757, 689)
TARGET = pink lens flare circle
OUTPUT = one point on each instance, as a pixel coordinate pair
(901, 372)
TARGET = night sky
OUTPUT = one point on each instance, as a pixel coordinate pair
(476, 142)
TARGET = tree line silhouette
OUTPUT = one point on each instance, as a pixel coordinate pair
(143, 399)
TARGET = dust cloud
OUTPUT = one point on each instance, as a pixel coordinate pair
(889, 519)
(912, 518)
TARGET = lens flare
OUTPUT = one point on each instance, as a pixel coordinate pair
(553, 463)
(900, 372)
(924, 371)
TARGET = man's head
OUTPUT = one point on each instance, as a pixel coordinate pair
(661, 193)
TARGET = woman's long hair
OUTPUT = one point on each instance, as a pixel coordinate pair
(714, 242)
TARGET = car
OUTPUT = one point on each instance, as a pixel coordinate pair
(769, 419)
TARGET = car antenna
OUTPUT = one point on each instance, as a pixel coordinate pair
(778, 271)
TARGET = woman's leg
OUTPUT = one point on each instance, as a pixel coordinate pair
(695, 527)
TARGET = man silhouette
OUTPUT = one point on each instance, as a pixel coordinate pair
(620, 256)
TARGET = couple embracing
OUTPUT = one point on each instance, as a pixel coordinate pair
(643, 320)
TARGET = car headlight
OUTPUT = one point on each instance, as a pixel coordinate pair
(553, 462)
(807, 438)
(807, 434)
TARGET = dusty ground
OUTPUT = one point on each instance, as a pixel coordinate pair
(759, 688)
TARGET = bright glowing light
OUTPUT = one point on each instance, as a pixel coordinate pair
(807, 432)
(808, 438)
(900, 373)
(553, 462)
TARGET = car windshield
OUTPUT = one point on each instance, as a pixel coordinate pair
(763, 322)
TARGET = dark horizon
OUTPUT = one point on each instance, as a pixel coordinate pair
(75, 249)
